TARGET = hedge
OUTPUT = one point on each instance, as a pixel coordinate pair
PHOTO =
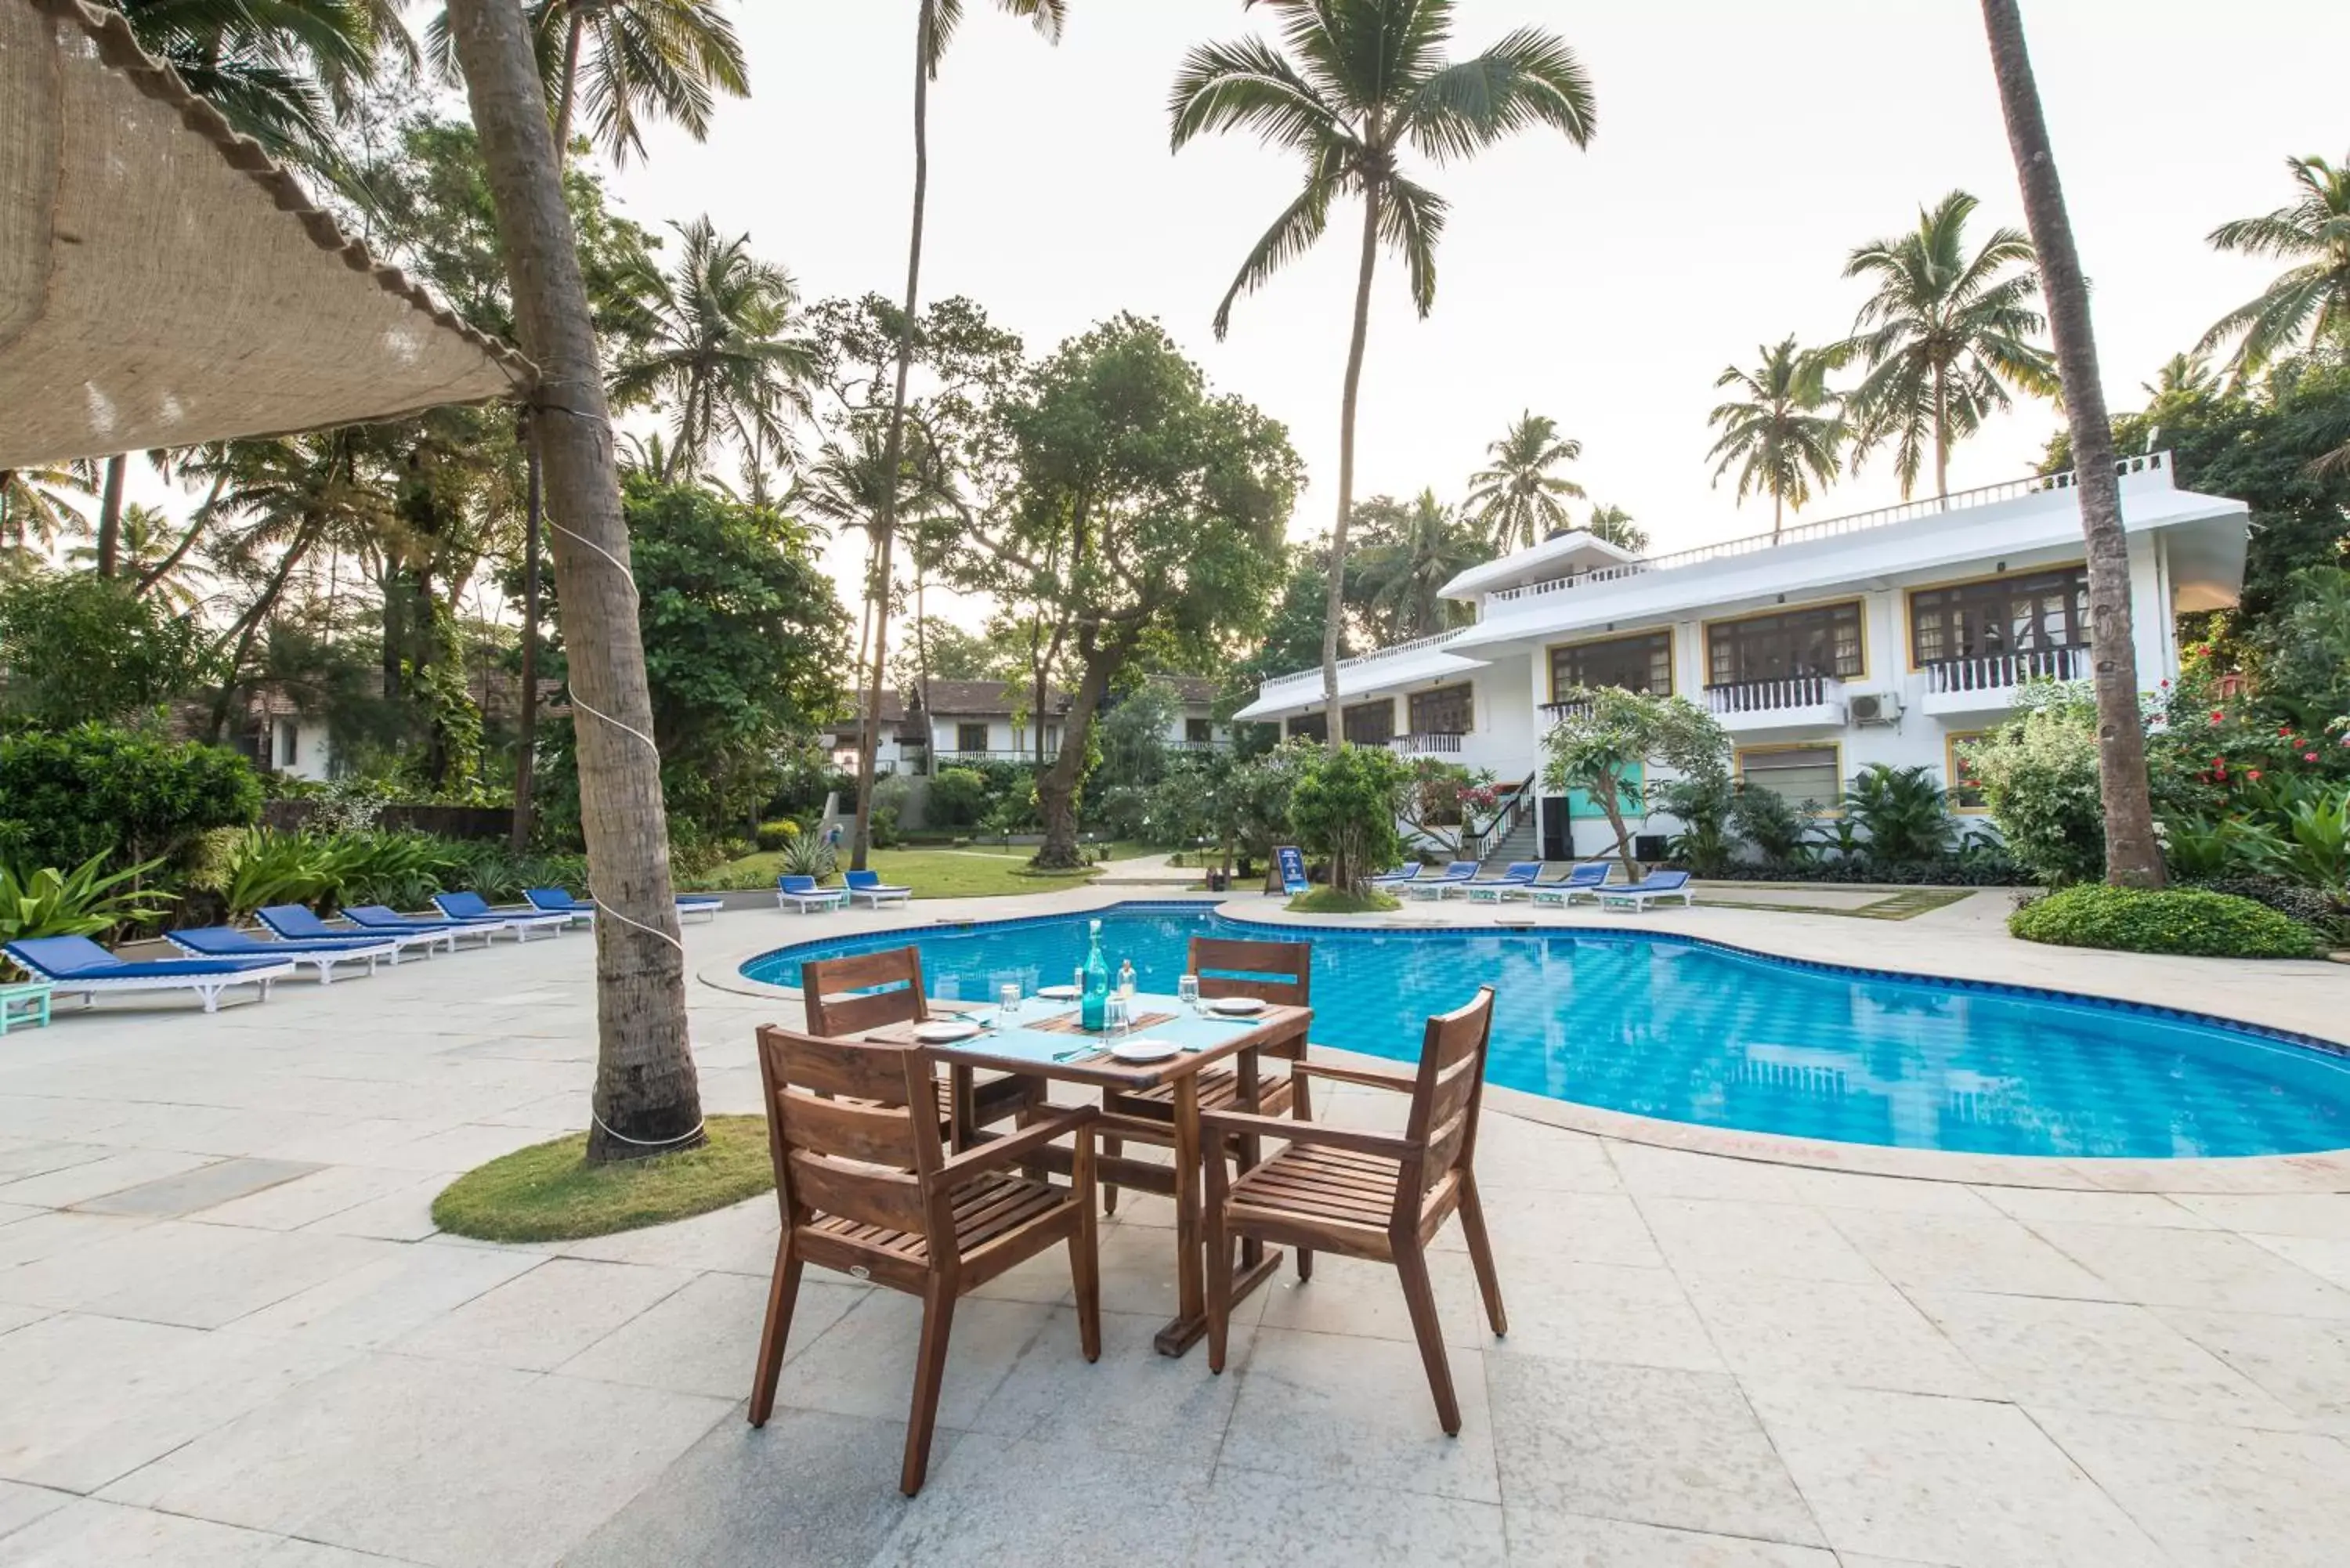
(2184, 920)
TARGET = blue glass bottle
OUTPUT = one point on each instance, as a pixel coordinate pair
(1093, 1009)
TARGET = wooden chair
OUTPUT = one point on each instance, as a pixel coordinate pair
(1270, 972)
(1368, 1195)
(866, 1188)
(845, 997)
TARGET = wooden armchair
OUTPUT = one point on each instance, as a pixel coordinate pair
(1270, 972)
(845, 997)
(1368, 1195)
(866, 1188)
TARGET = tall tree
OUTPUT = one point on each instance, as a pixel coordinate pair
(39, 507)
(1784, 433)
(276, 69)
(1362, 80)
(2310, 300)
(1613, 525)
(2132, 855)
(1407, 553)
(1516, 495)
(1144, 512)
(934, 28)
(1944, 334)
(647, 1097)
(723, 351)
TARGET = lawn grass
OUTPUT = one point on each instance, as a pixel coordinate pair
(549, 1192)
(1337, 902)
(976, 871)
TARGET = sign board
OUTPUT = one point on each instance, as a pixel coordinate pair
(1292, 866)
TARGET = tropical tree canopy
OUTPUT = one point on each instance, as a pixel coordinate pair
(1406, 553)
(1517, 496)
(277, 69)
(1613, 525)
(1944, 336)
(1607, 737)
(2310, 301)
(1782, 432)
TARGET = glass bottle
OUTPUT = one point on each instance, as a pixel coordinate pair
(1093, 1009)
(1125, 978)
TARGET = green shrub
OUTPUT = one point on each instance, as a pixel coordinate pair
(807, 855)
(1904, 811)
(2039, 776)
(957, 798)
(2163, 920)
(67, 795)
(1344, 808)
(86, 901)
(773, 836)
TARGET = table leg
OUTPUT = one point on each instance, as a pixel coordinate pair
(1245, 1073)
(1191, 1275)
(963, 1086)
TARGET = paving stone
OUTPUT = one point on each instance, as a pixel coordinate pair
(199, 1189)
(1545, 1537)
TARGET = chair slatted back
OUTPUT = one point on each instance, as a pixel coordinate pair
(842, 999)
(1279, 972)
(851, 1129)
(1448, 1093)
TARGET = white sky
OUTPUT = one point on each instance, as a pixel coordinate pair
(1742, 151)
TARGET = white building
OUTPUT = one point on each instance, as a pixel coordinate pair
(991, 721)
(1885, 637)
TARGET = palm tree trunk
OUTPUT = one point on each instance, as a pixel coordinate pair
(1778, 509)
(893, 453)
(163, 569)
(2133, 856)
(1333, 736)
(110, 516)
(647, 1097)
(1941, 437)
(568, 93)
(527, 720)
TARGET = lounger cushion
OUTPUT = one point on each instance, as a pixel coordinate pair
(81, 959)
(387, 919)
(558, 901)
(225, 941)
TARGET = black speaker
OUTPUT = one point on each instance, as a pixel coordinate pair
(1647, 846)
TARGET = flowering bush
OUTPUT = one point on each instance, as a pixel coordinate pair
(2038, 774)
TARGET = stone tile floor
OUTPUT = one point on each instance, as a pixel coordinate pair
(229, 1335)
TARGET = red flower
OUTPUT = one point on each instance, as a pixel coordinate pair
(2217, 718)
(2285, 730)
(2252, 774)
(2309, 756)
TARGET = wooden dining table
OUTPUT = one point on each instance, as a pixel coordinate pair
(1041, 1041)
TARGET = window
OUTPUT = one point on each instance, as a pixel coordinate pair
(1371, 723)
(1800, 775)
(1199, 731)
(1309, 727)
(1825, 641)
(1643, 663)
(2028, 613)
(289, 736)
(1966, 795)
(971, 737)
(1443, 712)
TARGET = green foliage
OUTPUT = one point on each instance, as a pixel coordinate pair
(2162, 920)
(809, 855)
(1256, 806)
(1904, 811)
(1516, 499)
(549, 1192)
(86, 901)
(775, 835)
(1133, 735)
(1609, 737)
(1344, 808)
(2301, 655)
(498, 873)
(393, 866)
(2038, 773)
(1704, 804)
(93, 791)
(1785, 432)
(261, 867)
(83, 649)
(1403, 555)
(957, 798)
(1771, 823)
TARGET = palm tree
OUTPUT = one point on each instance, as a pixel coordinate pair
(2132, 855)
(2311, 299)
(647, 1099)
(1517, 497)
(723, 351)
(1778, 432)
(1406, 555)
(1361, 81)
(149, 552)
(275, 68)
(2183, 376)
(934, 28)
(1614, 525)
(37, 507)
(1944, 334)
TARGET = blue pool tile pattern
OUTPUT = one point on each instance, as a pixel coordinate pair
(1665, 1026)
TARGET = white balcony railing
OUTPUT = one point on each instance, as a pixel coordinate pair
(1312, 679)
(1999, 671)
(1428, 745)
(1775, 695)
(1552, 712)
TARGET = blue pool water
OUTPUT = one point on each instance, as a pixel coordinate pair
(1662, 1027)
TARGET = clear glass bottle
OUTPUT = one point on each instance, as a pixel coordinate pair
(1093, 1008)
(1125, 978)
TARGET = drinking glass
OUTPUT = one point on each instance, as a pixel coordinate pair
(1007, 999)
(1187, 991)
(1116, 1022)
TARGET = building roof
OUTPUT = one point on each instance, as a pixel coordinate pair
(163, 283)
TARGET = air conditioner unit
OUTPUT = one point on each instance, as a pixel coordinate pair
(1873, 708)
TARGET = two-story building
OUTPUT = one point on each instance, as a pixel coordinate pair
(1885, 637)
(995, 721)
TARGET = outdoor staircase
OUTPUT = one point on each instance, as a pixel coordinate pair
(1523, 841)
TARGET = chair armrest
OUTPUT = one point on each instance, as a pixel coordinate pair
(1369, 1077)
(999, 1152)
(1237, 1123)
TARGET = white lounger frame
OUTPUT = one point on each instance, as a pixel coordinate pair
(821, 900)
(877, 897)
(322, 958)
(1640, 901)
(207, 986)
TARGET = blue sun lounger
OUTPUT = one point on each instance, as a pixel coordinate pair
(472, 909)
(801, 893)
(559, 901)
(323, 954)
(299, 923)
(77, 963)
(869, 886)
(1583, 881)
(1397, 877)
(1457, 875)
(1657, 888)
(1515, 877)
(382, 918)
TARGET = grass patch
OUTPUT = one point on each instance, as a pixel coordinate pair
(976, 871)
(1337, 902)
(549, 1192)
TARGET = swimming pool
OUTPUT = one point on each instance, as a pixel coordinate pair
(1662, 1025)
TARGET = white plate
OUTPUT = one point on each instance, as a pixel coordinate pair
(1238, 1006)
(1145, 1049)
(1057, 993)
(945, 1031)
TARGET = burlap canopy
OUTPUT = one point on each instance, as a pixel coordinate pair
(163, 283)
